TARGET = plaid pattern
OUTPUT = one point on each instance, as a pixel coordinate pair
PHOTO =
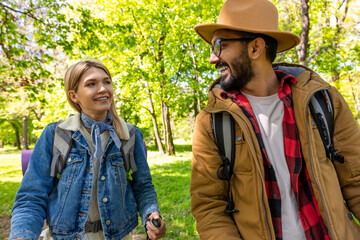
(309, 214)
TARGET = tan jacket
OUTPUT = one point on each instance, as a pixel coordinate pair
(331, 185)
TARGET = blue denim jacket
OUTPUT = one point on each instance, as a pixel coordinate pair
(66, 206)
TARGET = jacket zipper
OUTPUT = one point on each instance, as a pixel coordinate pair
(263, 204)
(262, 196)
(312, 165)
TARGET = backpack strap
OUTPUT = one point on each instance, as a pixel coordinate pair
(223, 127)
(61, 148)
(127, 150)
(322, 109)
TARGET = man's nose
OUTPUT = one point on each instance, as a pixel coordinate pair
(213, 58)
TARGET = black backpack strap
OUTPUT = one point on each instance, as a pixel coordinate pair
(61, 148)
(322, 110)
(127, 150)
(223, 127)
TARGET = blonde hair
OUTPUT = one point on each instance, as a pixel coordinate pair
(71, 82)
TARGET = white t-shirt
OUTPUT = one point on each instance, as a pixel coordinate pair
(269, 112)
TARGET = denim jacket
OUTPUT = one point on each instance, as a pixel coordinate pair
(66, 205)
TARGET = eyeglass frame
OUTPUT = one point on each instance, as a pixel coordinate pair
(219, 40)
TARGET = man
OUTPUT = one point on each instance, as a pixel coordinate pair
(283, 186)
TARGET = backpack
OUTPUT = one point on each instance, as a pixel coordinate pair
(62, 145)
(223, 126)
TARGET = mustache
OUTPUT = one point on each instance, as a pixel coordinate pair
(221, 64)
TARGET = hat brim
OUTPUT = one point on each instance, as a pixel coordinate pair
(286, 40)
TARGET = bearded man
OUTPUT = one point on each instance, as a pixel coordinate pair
(283, 184)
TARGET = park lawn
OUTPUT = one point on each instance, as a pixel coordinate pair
(171, 178)
(10, 178)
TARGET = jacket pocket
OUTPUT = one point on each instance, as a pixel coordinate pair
(243, 158)
(73, 165)
(118, 172)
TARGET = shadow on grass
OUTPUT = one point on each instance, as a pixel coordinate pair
(179, 148)
(172, 182)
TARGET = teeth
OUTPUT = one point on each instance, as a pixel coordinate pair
(222, 69)
(102, 99)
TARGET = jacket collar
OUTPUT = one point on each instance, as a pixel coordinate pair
(72, 123)
(307, 83)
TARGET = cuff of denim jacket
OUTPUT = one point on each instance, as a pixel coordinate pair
(24, 234)
(150, 210)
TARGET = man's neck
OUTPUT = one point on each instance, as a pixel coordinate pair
(264, 83)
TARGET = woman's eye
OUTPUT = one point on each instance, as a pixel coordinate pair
(90, 84)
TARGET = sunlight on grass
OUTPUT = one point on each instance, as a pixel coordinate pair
(10, 178)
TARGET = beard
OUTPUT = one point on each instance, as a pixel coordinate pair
(242, 72)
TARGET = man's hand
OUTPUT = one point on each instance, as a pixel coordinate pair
(153, 232)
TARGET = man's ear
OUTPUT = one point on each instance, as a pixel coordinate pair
(256, 48)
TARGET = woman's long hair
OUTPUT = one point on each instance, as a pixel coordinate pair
(71, 82)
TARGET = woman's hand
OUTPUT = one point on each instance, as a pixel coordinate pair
(153, 232)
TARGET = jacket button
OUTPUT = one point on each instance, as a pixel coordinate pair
(105, 199)
(350, 216)
(275, 196)
(69, 159)
(238, 138)
(107, 222)
(102, 178)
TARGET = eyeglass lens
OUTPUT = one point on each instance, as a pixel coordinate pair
(216, 48)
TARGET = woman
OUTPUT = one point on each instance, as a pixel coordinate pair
(93, 199)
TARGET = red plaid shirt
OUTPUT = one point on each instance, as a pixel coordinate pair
(309, 214)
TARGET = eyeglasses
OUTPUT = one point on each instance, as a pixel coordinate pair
(216, 48)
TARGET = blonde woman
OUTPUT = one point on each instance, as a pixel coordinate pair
(93, 198)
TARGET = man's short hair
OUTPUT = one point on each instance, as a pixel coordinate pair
(270, 43)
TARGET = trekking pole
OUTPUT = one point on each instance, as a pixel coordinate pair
(155, 222)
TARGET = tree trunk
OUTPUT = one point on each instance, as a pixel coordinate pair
(25, 133)
(355, 95)
(304, 35)
(17, 134)
(153, 117)
(169, 143)
(197, 102)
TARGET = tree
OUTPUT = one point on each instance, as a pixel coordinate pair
(151, 55)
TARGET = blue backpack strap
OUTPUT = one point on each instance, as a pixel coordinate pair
(61, 148)
(223, 127)
(322, 110)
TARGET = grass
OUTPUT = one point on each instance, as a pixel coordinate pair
(171, 178)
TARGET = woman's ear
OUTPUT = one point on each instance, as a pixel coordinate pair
(257, 47)
(72, 96)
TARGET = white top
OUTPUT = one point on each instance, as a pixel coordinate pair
(269, 112)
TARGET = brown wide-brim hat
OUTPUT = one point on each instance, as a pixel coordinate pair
(254, 16)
